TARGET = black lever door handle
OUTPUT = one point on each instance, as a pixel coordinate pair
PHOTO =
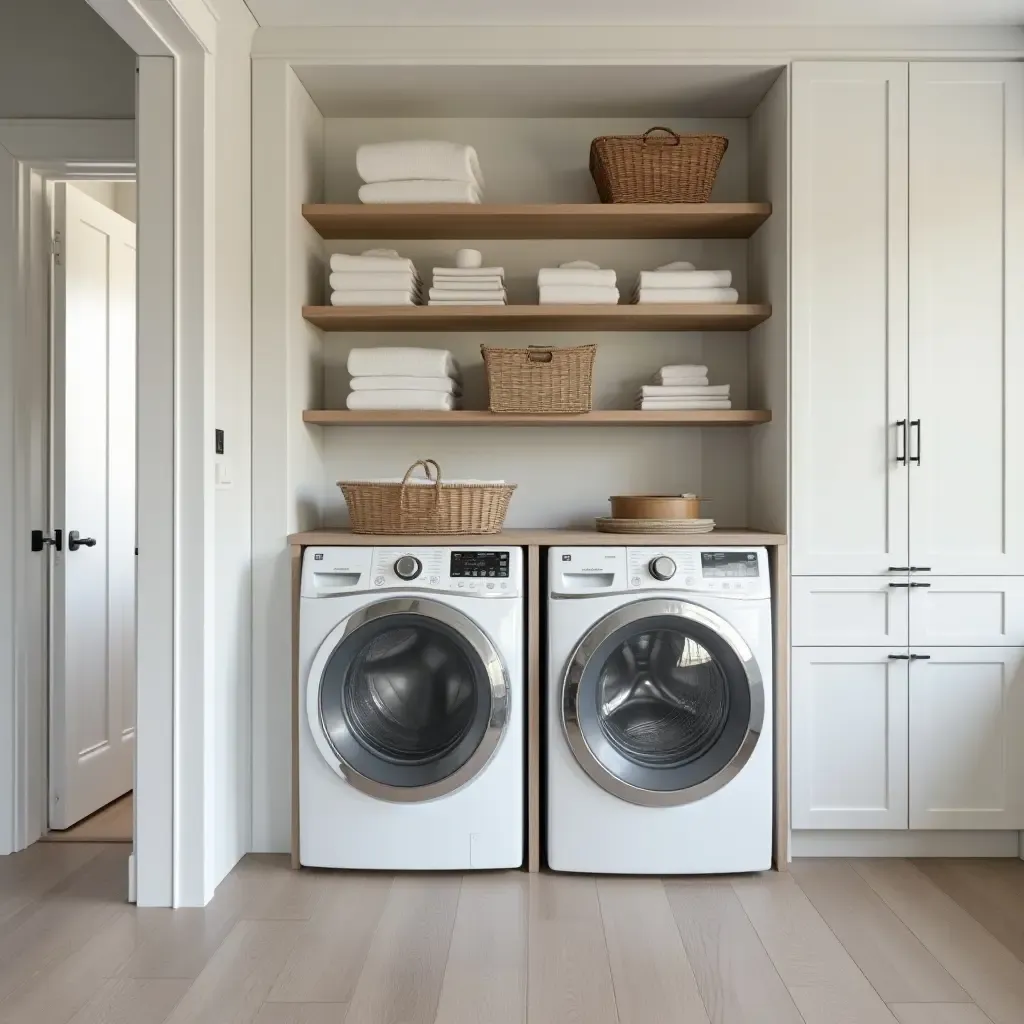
(899, 657)
(916, 425)
(901, 429)
(75, 541)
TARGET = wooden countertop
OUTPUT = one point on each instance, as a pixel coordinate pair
(542, 538)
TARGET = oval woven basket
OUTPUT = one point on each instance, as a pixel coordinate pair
(433, 507)
(656, 169)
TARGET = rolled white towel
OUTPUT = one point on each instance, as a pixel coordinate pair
(684, 279)
(573, 275)
(370, 297)
(684, 391)
(445, 385)
(418, 158)
(581, 294)
(402, 361)
(343, 281)
(469, 295)
(646, 296)
(680, 373)
(374, 261)
(419, 191)
(467, 273)
(400, 400)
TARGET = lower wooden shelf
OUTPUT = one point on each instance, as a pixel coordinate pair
(482, 418)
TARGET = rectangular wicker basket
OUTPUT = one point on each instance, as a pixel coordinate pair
(539, 379)
(646, 169)
(426, 508)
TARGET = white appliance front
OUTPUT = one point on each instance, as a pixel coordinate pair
(659, 710)
(411, 708)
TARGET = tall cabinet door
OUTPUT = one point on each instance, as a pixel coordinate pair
(967, 317)
(849, 320)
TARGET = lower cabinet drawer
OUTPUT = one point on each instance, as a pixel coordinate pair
(849, 611)
(967, 611)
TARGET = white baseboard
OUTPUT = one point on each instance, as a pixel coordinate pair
(837, 843)
(132, 898)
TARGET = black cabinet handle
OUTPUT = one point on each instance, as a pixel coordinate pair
(899, 657)
(920, 568)
(916, 425)
(901, 584)
(899, 568)
(920, 657)
(901, 428)
(916, 584)
(75, 541)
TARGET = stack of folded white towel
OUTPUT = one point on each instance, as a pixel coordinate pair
(682, 282)
(468, 286)
(378, 277)
(577, 283)
(683, 387)
(419, 172)
(403, 378)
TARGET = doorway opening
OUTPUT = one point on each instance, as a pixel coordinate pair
(93, 499)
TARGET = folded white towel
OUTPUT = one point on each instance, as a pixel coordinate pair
(684, 279)
(419, 158)
(582, 294)
(684, 403)
(467, 273)
(419, 191)
(688, 382)
(680, 372)
(370, 262)
(467, 302)
(400, 400)
(677, 265)
(468, 284)
(645, 296)
(401, 361)
(684, 391)
(445, 385)
(370, 297)
(342, 281)
(457, 294)
(573, 275)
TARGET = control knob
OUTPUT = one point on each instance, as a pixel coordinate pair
(408, 568)
(662, 568)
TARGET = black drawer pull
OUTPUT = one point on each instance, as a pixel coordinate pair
(899, 657)
(920, 584)
(901, 584)
(920, 657)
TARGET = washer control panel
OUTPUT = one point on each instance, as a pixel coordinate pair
(730, 572)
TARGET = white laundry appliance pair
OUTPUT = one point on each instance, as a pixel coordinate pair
(659, 710)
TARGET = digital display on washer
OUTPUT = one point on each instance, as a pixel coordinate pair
(492, 564)
(715, 564)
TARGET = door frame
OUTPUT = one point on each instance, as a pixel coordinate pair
(172, 143)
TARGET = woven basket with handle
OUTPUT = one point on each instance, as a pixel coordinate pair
(427, 508)
(539, 378)
(656, 168)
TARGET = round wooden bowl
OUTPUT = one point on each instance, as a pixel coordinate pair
(654, 506)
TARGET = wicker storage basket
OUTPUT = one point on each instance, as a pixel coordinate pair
(539, 379)
(437, 508)
(656, 169)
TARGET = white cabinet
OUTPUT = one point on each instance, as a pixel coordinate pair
(849, 611)
(908, 318)
(849, 744)
(967, 611)
(967, 738)
(849, 317)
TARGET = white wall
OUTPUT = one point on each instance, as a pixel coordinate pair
(118, 196)
(564, 476)
(58, 59)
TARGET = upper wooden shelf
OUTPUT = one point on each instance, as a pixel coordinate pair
(681, 317)
(536, 220)
(474, 418)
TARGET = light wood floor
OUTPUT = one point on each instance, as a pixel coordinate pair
(111, 824)
(836, 942)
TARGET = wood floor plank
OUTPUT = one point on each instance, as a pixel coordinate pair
(986, 970)
(272, 891)
(114, 823)
(233, 986)
(892, 958)
(820, 975)
(570, 979)
(328, 958)
(992, 892)
(938, 1013)
(485, 978)
(302, 1013)
(401, 979)
(27, 875)
(132, 1001)
(651, 973)
(737, 981)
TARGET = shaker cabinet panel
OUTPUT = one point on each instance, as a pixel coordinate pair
(966, 724)
(966, 317)
(967, 611)
(848, 611)
(849, 744)
(849, 317)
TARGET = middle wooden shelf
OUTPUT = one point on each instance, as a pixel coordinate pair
(474, 418)
(655, 317)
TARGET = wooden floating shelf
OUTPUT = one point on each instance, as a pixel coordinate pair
(536, 220)
(480, 418)
(676, 317)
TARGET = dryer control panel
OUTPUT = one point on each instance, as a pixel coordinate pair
(729, 572)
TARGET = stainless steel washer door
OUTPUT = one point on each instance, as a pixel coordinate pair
(412, 699)
(662, 702)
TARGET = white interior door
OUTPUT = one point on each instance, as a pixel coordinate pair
(92, 670)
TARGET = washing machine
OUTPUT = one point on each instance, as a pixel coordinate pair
(659, 710)
(411, 708)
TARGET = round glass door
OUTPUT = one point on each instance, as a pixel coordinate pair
(662, 702)
(410, 699)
